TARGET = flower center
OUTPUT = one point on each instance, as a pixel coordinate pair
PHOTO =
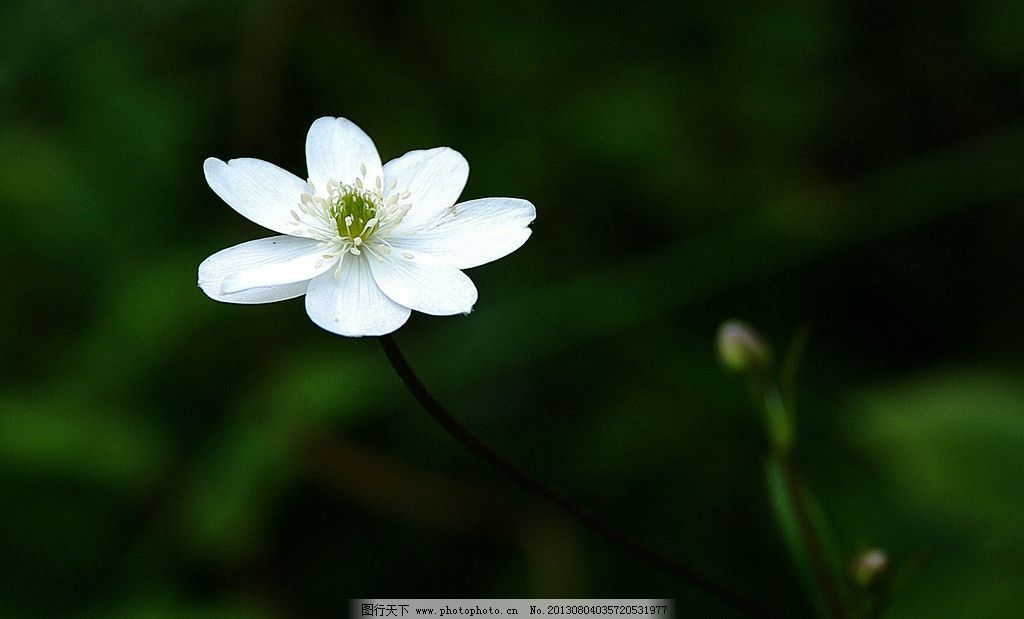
(344, 218)
(354, 212)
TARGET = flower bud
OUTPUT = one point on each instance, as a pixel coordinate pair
(869, 566)
(740, 348)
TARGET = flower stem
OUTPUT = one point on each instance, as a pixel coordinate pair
(780, 429)
(809, 536)
(534, 486)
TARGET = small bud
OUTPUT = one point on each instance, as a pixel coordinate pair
(740, 348)
(869, 566)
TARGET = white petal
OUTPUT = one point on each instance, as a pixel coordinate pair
(422, 282)
(351, 304)
(270, 294)
(474, 232)
(337, 149)
(434, 179)
(261, 271)
(260, 191)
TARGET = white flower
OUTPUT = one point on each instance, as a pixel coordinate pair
(365, 243)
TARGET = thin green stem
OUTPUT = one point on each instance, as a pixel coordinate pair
(791, 363)
(809, 537)
(585, 517)
(780, 429)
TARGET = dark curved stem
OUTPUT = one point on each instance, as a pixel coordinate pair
(534, 486)
(809, 537)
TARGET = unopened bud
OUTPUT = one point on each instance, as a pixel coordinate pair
(740, 348)
(869, 566)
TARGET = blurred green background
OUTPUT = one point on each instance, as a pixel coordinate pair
(855, 168)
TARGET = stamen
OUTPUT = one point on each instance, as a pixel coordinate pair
(347, 217)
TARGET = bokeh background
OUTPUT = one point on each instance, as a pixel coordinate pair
(853, 168)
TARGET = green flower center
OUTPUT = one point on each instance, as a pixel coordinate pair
(345, 217)
(355, 213)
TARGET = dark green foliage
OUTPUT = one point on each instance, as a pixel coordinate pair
(855, 168)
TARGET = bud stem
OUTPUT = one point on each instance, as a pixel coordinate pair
(778, 420)
(780, 424)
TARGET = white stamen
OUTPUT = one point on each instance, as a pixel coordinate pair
(329, 221)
